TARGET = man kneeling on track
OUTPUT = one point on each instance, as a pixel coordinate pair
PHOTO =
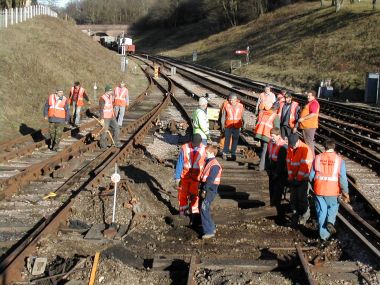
(210, 180)
(277, 149)
(330, 180)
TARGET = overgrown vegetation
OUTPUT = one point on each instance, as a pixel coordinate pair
(42, 53)
(295, 46)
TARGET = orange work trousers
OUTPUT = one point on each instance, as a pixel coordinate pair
(188, 190)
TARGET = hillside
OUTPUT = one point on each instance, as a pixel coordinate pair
(37, 56)
(295, 46)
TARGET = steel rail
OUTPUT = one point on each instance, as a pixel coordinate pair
(305, 266)
(11, 266)
(14, 148)
(259, 86)
(368, 156)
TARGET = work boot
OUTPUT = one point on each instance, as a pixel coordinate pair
(233, 157)
(331, 229)
(208, 236)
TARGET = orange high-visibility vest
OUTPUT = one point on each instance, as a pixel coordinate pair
(292, 118)
(274, 148)
(310, 123)
(79, 96)
(234, 116)
(327, 171)
(206, 171)
(121, 95)
(266, 99)
(108, 107)
(57, 107)
(265, 123)
(299, 162)
(193, 161)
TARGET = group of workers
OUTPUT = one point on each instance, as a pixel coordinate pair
(290, 162)
(112, 106)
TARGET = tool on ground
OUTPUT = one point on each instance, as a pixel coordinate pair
(50, 195)
(108, 132)
(94, 268)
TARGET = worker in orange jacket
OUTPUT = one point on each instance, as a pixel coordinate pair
(121, 102)
(107, 117)
(210, 180)
(308, 120)
(299, 159)
(188, 171)
(267, 119)
(77, 95)
(232, 121)
(265, 98)
(330, 181)
(57, 111)
(289, 114)
(277, 149)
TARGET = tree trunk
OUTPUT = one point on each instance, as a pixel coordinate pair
(321, 3)
(374, 4)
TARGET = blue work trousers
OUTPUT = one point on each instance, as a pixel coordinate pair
(234, 133)
(327, 209)
(76, 113)
(207, 222)
(119, 114)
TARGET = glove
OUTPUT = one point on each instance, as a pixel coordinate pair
(345, 197)
(177, 182)
(202, 194)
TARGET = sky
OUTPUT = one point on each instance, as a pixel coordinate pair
(60, 3)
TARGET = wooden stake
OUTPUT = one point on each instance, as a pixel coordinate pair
(94, 267)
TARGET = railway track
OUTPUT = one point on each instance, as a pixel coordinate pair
(28, 213)
(249, 246)
(236, 192)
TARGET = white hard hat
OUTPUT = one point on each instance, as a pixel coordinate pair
(202, 101)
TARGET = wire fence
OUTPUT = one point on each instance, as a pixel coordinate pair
(13, 16)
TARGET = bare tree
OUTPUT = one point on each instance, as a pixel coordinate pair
(338, 5)
(374, 4)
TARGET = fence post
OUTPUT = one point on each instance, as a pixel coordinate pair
(6, 18)
(24, 13)
(12, 16)
(16, 15)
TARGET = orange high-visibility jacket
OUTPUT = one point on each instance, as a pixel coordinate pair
(57, 107)
(293, 109)
(274, 148)
(234, 116)
(299, 162)
(79, 96)
(327, 171)
(121, 95)
(265, 123)
(310, 123)
(193, 161)
(108, 107)
(206, 171)
(266, 99)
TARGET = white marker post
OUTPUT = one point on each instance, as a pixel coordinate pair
(115, 178)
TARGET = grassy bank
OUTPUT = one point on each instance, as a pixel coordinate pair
(295, 46)
(37, 56)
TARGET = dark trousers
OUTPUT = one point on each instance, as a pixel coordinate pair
(276, 191)
(285, 131)
(298, 199)
(308, 135)
(55, 131)
(115, 132)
